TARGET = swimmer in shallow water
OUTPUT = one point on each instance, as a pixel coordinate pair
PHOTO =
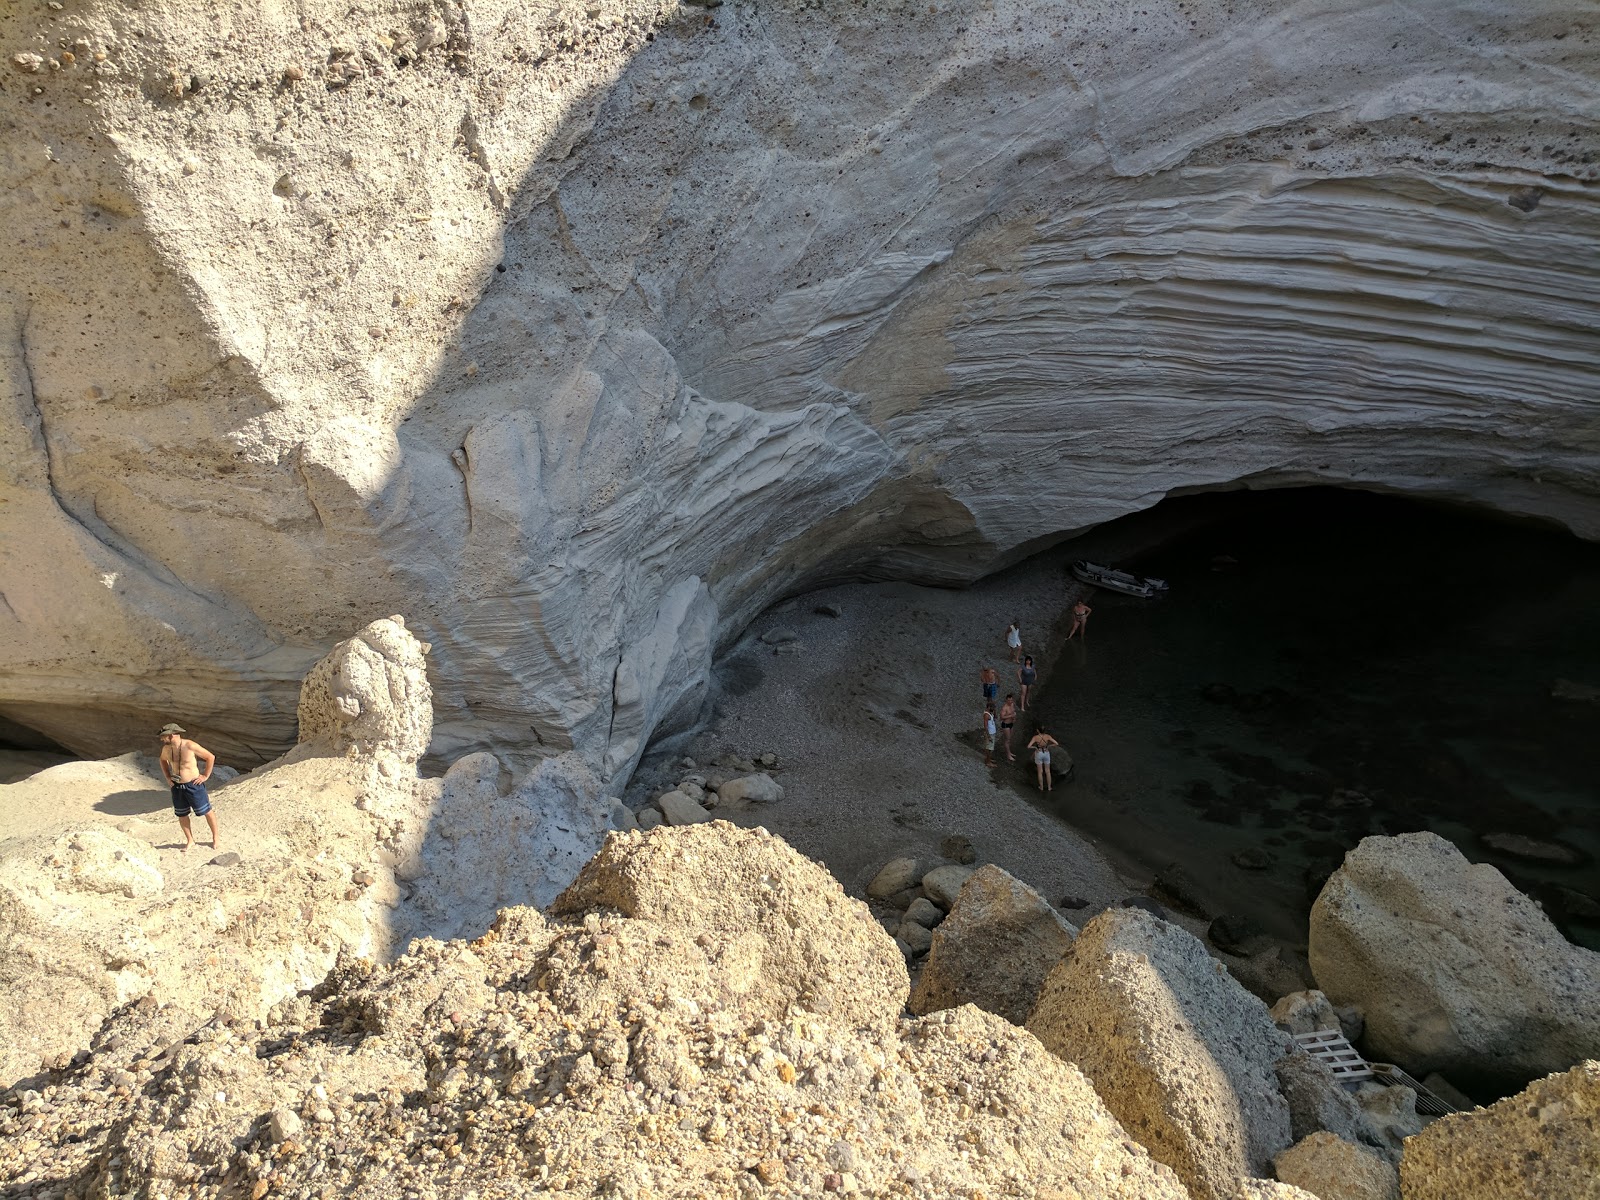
(1080, 620)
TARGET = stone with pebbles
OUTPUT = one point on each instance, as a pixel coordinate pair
(678, 809)
(750, 789)
(943, 884)
(994, 949)
(1184, 1056)
(924, 912)
(1333, 1169)
(895, 876)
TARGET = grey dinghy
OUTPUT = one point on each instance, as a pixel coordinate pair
(1118, 581)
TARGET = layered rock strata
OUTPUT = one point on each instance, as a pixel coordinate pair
(581, 333)
(1454, 969)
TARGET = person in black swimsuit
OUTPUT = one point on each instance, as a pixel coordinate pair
(1008, 718)
(1026, 677)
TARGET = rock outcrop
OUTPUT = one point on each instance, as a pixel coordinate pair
(612, 1049)
(340, 849)
(1182, 1054)
(1539, 1144)
(369, 698)
(581, 336)
(1455, 970)
(994, 949)
(1334, 1169)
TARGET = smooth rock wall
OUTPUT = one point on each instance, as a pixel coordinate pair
(581, 334)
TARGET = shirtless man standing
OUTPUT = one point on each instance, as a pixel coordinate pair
(990, 678)
(180, 759)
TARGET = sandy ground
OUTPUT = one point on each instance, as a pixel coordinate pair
(874, 716)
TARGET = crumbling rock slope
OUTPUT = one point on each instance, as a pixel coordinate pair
(580, 332)
(602, 1050)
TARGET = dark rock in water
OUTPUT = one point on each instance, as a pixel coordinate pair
(1223, 814)
(1073, 902)
(781, 636)
(1144, 902)
(1219, 693)
(829, 610)
(1272, 973)
(958, 849)
(228, 858)
(1234, 933)
(1346, 798)
(1252, 858)
(1579, 906)
(1175, 886)
(1566, 689)
(1519, 845)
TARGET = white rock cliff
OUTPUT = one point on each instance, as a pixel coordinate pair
(581, 333)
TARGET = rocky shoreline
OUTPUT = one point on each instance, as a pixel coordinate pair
(701, 1010)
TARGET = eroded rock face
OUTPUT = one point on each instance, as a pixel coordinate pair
(1182, 1054)
(1455, 970)
(1540, 1143)
(543, 328)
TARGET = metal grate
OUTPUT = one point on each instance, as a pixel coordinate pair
(1427, 1103)
(1328, 1046)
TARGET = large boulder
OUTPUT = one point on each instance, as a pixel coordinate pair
(1541, 1144)
(1318, 1103)
(1334, 1169)
(1182, 1054)
(993, 950)
(803, 941)
(1455, 969)
(369, 697)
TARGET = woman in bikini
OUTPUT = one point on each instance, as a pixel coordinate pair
(1080, 620)
(1040, 744)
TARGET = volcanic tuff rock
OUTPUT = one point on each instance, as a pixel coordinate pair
(344, 850)
(994, 949)
(596, 1052)
(1539, 1144)
(1455, 970)
(579, 333)
(1181, 1053)
(1333, 1169)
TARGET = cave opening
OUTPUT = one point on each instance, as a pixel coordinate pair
(1330, 664)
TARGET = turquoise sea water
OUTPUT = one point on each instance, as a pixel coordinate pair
(1329, 665)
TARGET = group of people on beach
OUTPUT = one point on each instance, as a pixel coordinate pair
(997, 726)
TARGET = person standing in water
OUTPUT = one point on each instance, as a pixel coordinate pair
(1027, 676)
(1008, 719)
(1014, 641)
(180, 763)
(1080, 619)
(988, 735)
(1040, 744)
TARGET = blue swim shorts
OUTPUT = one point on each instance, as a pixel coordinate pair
(991, 690)
(190, 797)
